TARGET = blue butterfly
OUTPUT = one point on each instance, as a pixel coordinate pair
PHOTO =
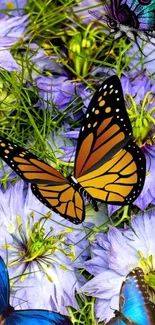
(132, 18)
(9, 316)
(134, 305)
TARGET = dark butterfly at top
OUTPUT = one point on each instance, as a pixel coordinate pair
(109, 166)
(135, 307)
(9, 316)
(131, 18)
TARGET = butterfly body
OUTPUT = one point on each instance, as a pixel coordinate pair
(73, 181)
(109, 166)
(135, 307)
(131, 18)
(9, 316)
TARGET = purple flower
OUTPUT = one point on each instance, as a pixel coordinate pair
(141, 61)
(7, 62)
(42, 60)
(14, 7)
(62, 145)
(114, 255)
(44, 252)
(57, 90)
(11, 30)
(61, 93)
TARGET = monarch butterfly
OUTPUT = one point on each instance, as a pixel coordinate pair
(9, 316)
(135, 306)
(109, 166)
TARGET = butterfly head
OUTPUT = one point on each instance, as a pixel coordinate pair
(112, 23)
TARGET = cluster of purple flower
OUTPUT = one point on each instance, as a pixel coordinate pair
(45, 251)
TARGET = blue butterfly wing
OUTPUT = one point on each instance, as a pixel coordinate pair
(139, 14)
(36, 317)
(4, 286)
(134, 305)
(134, 299)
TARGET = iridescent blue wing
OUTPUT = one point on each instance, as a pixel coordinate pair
(4, 286)
(134, 306)
(134, 299)
(139, 14)
(36, 317)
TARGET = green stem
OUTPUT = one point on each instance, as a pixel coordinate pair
(124, 216)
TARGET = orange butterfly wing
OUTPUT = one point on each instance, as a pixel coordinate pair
(120, 180)
(48, 185)
(62, 199)
(106, 128)
(105, 170)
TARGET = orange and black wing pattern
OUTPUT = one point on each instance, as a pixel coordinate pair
(62, 199)
(48, 185)
(28, 166)
(120, 180)
(105, 129)
(108, 164)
